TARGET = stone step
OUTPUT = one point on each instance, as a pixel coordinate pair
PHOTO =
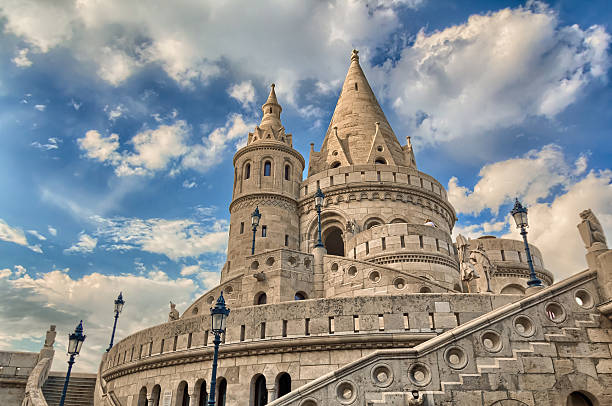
(80, 391)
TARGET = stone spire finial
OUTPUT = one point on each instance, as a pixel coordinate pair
(271, 111)
(354, 55)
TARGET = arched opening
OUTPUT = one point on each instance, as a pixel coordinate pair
(580, 399)
(156, 395)
(380, 161)
(301, 296)
(142, 396)
(373, 222)
(425, 289)
(283, 384)
(247, 171)
(398, 220)
(332, 239)
(267, 168)
(221, 391)
(182, 394)
(261, 298)
(203, 390)
(259, 393)
(335, 164)
(512, 290)
(287, 172)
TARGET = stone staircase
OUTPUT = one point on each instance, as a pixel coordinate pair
(80, 389)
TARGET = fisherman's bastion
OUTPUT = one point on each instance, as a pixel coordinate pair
(386, 310)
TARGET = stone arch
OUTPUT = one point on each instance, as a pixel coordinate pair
(581, 398)
(512, 289)
(201, 393)
(372, 222)
(259, 392)
(287, 171)
(247, 170)
(221, 391)
(333, 240)
(334, 164)
(300, 296)
(381, 161)
(283, 384)
(142, 396)
(329, 218)
(398, 220)
(576, 382)
(260, 298)
(156, 395)
(182, 394)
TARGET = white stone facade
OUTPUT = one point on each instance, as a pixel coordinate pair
(381, 315)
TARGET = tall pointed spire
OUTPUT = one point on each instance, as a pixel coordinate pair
(271, 111)
(360, 125)
(271, 128)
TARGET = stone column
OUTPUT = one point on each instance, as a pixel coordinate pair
(271, 392)
(193, 398)
(318, 253)
(150, 400)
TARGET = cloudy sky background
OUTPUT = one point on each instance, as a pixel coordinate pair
(119, 121)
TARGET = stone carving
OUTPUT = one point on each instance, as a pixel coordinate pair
(591, 231)
(50, 337)
(467, 269)
(352, 227)
(174, 314)
(481, 261)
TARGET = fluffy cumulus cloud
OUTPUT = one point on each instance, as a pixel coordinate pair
(86, 244)
(120, 38)
(244, 92)
(494, 71)
(555, 192)
(21, 60)
(16, 235)
(173, 238)
(29, 305)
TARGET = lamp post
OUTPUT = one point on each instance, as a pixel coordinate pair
(520, 218)
(119, 302)
(255, 217)
(218, 315)
(75, 342)
(319, 196)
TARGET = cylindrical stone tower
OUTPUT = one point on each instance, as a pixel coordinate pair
(267, 174)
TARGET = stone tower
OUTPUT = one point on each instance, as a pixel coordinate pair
(267, 174)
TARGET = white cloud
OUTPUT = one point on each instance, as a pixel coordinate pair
(189, 184)
(75, 105)
(244, 92)
(100, 147)
(30, 304)
(114, 112)
(52, 143)
(16, 235)
(37, 235)
(86, 244)
(493, 72)
(52, 231)
(21, 60)
(40, 107)
(173, 238)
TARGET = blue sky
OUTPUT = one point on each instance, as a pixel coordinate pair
(119, 121)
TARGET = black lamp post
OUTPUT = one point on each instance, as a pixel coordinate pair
(520, 218)
(119, 302)
(319, 196)
(218, 317)
(75, 342)
(255, 217)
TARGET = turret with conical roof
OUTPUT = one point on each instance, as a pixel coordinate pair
(359, 132)
(270, 129)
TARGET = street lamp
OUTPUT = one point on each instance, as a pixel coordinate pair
(75, 342)
(319, 196)
(255, 217)
(119, 302)
(520, 218)
(218, 315)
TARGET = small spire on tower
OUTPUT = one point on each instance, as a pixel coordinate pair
(354, 55)
(271, 111)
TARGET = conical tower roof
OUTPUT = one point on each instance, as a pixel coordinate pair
(358, 124)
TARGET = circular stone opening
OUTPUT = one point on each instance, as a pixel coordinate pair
(307, 262)
(254, 265)
(346, 392)
(352, 271)
(270, 261)
(419, 374)
(382, 375)
(455, 358)
(379, 148)
(195, 310)
(374, 276)
(555, 312)
(425, 289)
(584, 299)
(491, 341)
(293, 261)
(334, 267)
(335, 153)
(524, 326)
(399, 283)
(210, 300)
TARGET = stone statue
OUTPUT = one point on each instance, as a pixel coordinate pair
(50, 337)
(174, 314)
(352, 227)
(591, 231)
(481, 261)
(468, 271)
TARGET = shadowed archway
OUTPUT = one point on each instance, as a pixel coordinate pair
(332, 239)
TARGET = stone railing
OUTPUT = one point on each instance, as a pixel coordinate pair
(37, 378)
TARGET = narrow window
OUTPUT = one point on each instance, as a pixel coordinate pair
(378, 176)
(287, 172)
(318, 184)
(394, 177)
(305, 190)
(520, 256)
(356, 86)
(262, 333)
(381, 322)
(247, 171)
(367, 248)
(264, 231)
(421, 241)
(503, 254)
(356, 323)
(406, 322)
(384, 244)
(402, 241)
(286, 240)
(205, 338)
(362, 176)
(132, 354)
(421, 179)
(242, 332)
(331, 181)
(267, 168)
(241, 227)
(306, 327)
(161, 347)
(284, 331)
(223, 338)
(332, 325)
(189, 338)
(150, 348)
(457, 318)
(141, 353)
(437, 245)
(175, 342)
(354, 253)
(432, 324)
(270, 110)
